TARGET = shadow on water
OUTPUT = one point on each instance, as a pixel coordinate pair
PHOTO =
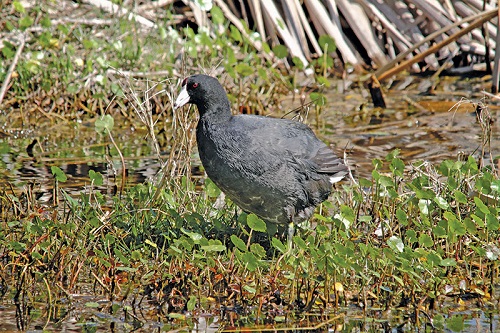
(424, 127)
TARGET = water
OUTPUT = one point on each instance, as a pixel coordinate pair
(90, 314)
(431, 128)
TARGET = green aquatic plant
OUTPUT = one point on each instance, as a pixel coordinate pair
(413, 235)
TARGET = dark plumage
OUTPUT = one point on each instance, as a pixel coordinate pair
(275, 168)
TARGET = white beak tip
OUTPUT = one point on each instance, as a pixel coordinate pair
(182, 99)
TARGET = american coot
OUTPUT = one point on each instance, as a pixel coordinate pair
(275, 168)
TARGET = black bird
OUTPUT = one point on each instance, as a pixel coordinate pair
(275, 168)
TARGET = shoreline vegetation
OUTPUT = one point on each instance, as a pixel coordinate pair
(412, 236)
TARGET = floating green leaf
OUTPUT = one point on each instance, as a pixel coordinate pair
(8, 50)
(456, 226)
(411, 236)
(258, 250)
(280, 51)
(470, 226)
(318, 98)
(396, 244)
(492, 222)
(92, 305)
(18, 6)
(434, 258)
(150, 243)
(244, 69)
(191, 304)
(495, 186)
(174, 315)
(327, 43)
(441, 202)
(17, 246)
(423, 205)
(266, 48)
(460, 197)
(96, 177)
(397, 166)
(298, 63)
(255, 223)
(235, 33)
(249, 289)
(136, 255)
(117, 90)
(402, 217)
(217, 15)
(278, 245)
(300, 243)
(448, 262)
(479, 221)
(196, 237)
(25, 22)
(251, 262)
(119, 254)
(126, 269)
(45, 22)
(321, 80)
(104, 124)
(425, 240)
(58, 174)
(481, 206)
(455, 323)
(211, 189)
(439, 231)
(214, 246)
(240, 244)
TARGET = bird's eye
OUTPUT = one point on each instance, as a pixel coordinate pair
(195, 85)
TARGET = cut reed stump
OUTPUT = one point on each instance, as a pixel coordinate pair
(376, 92)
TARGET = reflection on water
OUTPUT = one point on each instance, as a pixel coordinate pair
(89, 314)
(432, 128)
(435, 131)
(27, 160)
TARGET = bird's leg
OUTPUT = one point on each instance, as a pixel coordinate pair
(289, 242)
(291, 230)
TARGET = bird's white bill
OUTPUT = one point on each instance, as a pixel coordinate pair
(182, 99)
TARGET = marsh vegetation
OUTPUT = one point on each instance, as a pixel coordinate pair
(107, 221)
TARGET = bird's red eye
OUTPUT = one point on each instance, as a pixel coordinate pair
(195, 85)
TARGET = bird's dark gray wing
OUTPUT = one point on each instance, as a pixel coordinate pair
(290, 140)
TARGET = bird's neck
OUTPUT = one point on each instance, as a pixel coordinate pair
(212, 112)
